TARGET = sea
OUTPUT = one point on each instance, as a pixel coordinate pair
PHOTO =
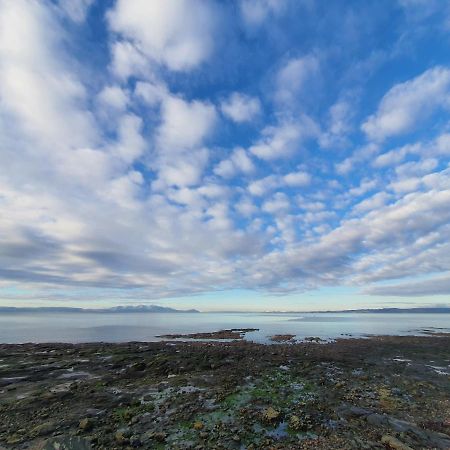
(76, 327)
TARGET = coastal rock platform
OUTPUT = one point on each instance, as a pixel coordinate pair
(386, 392)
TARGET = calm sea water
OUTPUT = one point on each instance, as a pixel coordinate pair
(116, 327)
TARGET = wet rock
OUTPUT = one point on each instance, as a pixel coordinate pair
(138, 367)
(86, 424)
(377, 420)
(14, 439)
(160, 436)
(67, 443)
(282, 337)
(346, 412)
(295, 423)
(122, 435)
(394, 443)
(95, 412)
(271, 414)
(135, 441)
(43, 429)
(198, 425)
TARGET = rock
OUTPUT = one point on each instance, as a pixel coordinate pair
(377, 420)
(271, 414)
(95, 412)
(122, 435)
(159, 436)
(198, 425)
(394, 443)
(295, 423)
(86, 424)
(135, 441)
(14, 439)
(138, 367)
(68, 443)
(346, 412)
(43, 429)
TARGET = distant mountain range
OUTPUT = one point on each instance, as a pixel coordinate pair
(115, 309)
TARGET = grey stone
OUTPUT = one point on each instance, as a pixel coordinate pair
(68, 443)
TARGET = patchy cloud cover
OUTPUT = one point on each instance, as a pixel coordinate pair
(166, 149)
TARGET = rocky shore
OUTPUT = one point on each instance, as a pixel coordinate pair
(377, 393)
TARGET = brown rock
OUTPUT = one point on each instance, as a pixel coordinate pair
(271, 414)
(394, 443)
(86, 424)
(198, 425)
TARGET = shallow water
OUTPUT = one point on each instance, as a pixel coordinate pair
(120, 327)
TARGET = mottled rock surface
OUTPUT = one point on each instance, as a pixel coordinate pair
(377, 393)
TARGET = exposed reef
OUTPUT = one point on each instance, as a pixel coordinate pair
(376, 393)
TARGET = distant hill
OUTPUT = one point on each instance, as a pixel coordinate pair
(426, 310)
(423, 310)
(115, 309)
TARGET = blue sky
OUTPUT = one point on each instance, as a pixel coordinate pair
(244, 154)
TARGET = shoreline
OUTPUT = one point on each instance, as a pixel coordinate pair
(352, 393)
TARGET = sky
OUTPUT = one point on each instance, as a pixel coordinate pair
(243, 155)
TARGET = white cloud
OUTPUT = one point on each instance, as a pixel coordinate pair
(127, 60)
(130, 143)
(406, 103)
(360, 155)
(339, 125)
(151, 93)
(297, 179)
(75, 9)
(113, 97)
(185, 124)
(277, 204)
(177, 33)
(284, 139)
(404, 238)
(262, 186)
(46, 99)
(185, 170)
(241, 108)
(239, 162)
(375, 202)
(416, 168)
(246, 207)
(180, 153)
(294, 78)
(109, 182)
(439, 285)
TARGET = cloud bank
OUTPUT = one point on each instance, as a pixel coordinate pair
(156, 158)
